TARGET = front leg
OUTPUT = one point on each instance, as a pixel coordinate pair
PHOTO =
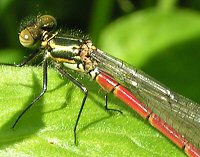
(44, 89)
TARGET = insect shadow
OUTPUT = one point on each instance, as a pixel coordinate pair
(30, 123)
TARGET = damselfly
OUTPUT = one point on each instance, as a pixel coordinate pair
(174, 115)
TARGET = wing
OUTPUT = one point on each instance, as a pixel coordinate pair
(179, 112)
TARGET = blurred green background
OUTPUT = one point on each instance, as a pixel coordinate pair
(160, 37)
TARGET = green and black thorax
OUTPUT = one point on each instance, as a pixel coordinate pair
(73, 53)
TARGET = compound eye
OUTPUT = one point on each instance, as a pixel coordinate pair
(47, 22)
(26, 39)
(30, 36)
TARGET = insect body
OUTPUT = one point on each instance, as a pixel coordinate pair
(175, 116)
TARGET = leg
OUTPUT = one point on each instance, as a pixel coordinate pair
(83, 88)
(106, 106)
(24, 62)
(39, 96)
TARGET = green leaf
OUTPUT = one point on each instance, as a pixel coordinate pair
(140, 36)
(47, 128)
